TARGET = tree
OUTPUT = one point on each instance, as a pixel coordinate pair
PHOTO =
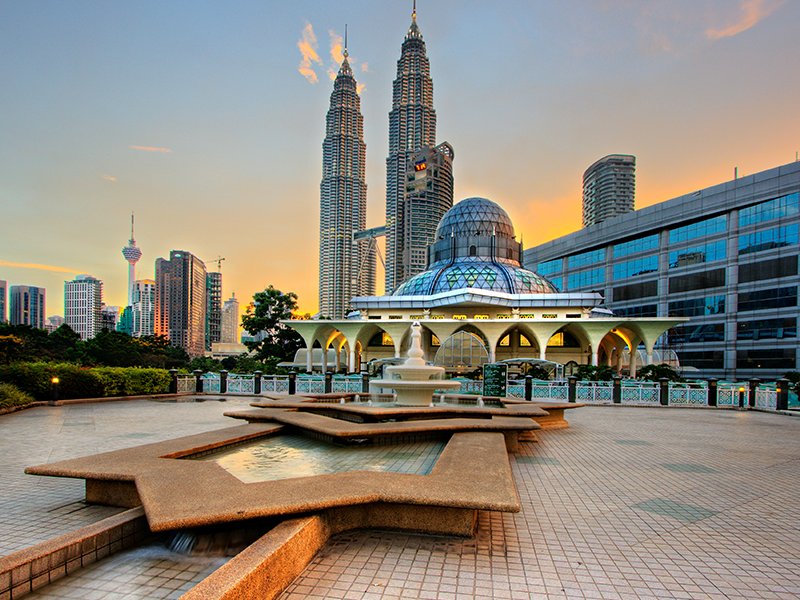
(594, 373)
(263, 321)
(656, 372)
(11, 348)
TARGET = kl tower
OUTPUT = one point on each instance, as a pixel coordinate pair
(132, 254)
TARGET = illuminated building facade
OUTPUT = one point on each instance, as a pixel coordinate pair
(180, 308)
(213, 308)
(230, 321)
(142, 311)
(346, 268)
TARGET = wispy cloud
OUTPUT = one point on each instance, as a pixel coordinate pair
(752, 12)
(109, 178)
(159, 149)
(337, 47)
(364, 67)
(37, 266)
(307, 44)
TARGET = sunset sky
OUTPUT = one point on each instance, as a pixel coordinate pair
(207, 118)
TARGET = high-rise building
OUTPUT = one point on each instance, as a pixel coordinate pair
(26, 303)
(53, 323)
(412, 127)
(230, 321)
(3, 295)
(609, 188)
(346, 268)
(213, 308)
(132, 254)
(109, 317)
(142, 311)
(429, 194)
(83, 302)
(180, 308)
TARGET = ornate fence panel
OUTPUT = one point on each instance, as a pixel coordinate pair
(274, 384)
(766, 398)
(641, 393)
(211, 382)
(593, 392)
(186, 383)
(688, 395)
(515, 390)
(728, 393)
(241, 384)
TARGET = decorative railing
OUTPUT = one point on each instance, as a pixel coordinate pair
(629, 392)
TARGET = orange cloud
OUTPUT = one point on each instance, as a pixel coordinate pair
(753, 11)
(307, 45)
(337, 47)
(159, 149)
(364, 67)
(38, 267)
(110, 178)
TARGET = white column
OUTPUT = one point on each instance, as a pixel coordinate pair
(324, 359)
(309, 362)
(352, 367)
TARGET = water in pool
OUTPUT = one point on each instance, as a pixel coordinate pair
(288, 456)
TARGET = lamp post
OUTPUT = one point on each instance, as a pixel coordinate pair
(54, 389)
(741, 397)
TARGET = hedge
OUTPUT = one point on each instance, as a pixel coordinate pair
(11, 395)
(81, 382)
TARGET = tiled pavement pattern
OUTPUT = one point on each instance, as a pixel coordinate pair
(627, 503)
(297, 455)
(33, 509)
(149, 572)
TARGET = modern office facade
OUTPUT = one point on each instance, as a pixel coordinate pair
(213, 308)
(412, 127)
(27, 305)
(346, 267)
(726, 256)
(83, 303)
(3, 296)
(609, 188)
(180, 308)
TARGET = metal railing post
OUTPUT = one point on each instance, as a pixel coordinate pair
(616, 390)
(712, 391)
(572, 393)
(257, 382)
(173, 381)
(528, 388)
(664, 395)
(198, 382)
(223, 381)
(782, 393)
(292, 382)
(751, 400)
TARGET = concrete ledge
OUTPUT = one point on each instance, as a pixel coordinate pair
(32, 568)
(267, 567)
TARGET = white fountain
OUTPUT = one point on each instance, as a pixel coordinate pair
(414, 381)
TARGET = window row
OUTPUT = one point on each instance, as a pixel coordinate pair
(768, 299)
(767, 239)
(776, 208)
(697, 254)
(637, 266)
(586, 258)
(699, 229)
(643, 244)
(767, 329)
(586, 278)
(698, 307)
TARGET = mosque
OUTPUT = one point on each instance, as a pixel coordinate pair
(477, 304)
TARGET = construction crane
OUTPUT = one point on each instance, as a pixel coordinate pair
(217, 260)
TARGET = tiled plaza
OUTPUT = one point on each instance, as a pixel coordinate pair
(626, 503)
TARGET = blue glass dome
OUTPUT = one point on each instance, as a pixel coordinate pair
(475, 248)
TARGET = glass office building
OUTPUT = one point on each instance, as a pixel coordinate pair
(726, 256)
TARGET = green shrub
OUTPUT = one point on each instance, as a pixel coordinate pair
(11, 395)
(35, 379)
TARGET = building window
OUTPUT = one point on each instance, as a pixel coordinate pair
(767, 329)
(586, 278)
(550, 267)
(773, 358)
(699, 229)
(557, 282)
(768, 299)
(768, 269)
(698, 307)
(634, 291)
(586, 258)
(697, 281)
(694, 334)
(767, 239)
(646, 310)
(777, 208)
(649, 242)
(695, 255)
(710, 359)
(637, 266)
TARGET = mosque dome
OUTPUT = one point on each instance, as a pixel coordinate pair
(475, 248)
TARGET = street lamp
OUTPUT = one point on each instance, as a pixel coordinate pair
(54, 382)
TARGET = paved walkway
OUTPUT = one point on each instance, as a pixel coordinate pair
(627, 503)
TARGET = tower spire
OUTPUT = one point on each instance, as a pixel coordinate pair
(345, 41)
(413, 10)
(132, 240)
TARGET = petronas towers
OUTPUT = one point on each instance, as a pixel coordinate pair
(419, 183)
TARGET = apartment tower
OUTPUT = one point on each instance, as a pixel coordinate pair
(180, 307)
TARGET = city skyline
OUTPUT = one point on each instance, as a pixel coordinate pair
(204, 121)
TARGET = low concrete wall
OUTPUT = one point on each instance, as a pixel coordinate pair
(34, 567)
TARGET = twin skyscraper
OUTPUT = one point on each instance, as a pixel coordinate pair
(419, 183)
